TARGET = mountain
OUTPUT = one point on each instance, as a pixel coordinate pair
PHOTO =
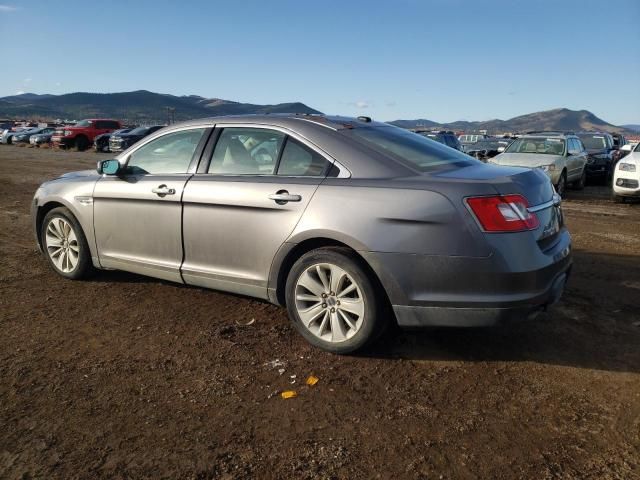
(140, 106)
(632, 127)
(561, 119)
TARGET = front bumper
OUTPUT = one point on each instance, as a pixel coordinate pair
(63, 141)
(474, 291)
(626, 184)
(597, 169)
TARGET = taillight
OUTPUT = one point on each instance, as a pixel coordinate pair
(503, 213)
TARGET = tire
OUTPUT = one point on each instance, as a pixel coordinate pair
(60, 229)
(322, 318)
(561, 186)
(81, 143)
(579, 184)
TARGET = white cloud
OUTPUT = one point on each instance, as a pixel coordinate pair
(360, 104)
(19, 92)
(7, 8)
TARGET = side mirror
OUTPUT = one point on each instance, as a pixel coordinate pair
(109, 167)
(501, 149)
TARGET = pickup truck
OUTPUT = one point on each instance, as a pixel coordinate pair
(82, 134)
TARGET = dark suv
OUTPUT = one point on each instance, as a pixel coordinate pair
(445, 137)
(601, 154)
(122, 140)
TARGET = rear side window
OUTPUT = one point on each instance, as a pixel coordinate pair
(409, 148)
(300, 161)
(246, 151)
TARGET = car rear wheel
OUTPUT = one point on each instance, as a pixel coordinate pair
(65, 245)
(561, 186)
(332, 302)
(579, 184)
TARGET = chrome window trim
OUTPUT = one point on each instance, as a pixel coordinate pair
(343, 171)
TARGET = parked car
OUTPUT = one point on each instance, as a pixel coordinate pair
(488, 148)
(42, 138)
(602, 155)
(25, 135)
(82, 134)
(8, 134)
(351, 223)
(562, 157)
(626, 177)
(446, 138)
(101, 142)
(618, 140)
(469, 139)
(121, 141)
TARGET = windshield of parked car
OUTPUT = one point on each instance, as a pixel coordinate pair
(415, 150)
(537, 145)
(637, 149)
(83, 123)
(593, 142)
(139, 131)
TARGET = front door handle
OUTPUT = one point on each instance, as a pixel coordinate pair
(163, 190)
(282, 196)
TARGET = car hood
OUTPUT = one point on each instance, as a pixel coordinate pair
(633, 157)
(79, 174)
(128, 136)
(529, 160)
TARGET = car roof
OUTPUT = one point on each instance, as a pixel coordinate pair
(333, 122)
(548, 135)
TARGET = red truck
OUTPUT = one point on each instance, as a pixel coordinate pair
(81, 134)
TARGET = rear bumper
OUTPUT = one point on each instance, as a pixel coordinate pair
(437, 316)
(474, 291)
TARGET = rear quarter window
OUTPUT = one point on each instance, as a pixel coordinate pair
(411, 149)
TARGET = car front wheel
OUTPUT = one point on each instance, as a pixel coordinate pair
(65, 245)
(561, 186)
(333, 302)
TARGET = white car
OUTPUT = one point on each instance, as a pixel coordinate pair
(626, 177)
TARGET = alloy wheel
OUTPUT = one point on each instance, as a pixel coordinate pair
(329, 302)
(62, 244)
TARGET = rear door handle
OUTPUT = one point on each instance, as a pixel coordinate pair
(282, 196)
(163, 190)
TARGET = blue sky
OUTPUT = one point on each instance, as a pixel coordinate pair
(443, 60)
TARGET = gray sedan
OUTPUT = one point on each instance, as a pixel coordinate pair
(352, 224)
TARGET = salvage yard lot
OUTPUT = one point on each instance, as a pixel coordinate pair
(126, 376)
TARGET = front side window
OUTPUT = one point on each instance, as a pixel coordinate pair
(409, 148)
(300, 161)
(538, 145)
(170, 153)
(246, 151)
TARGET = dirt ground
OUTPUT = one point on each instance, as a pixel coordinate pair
(129, 377)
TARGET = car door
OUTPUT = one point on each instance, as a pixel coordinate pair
(244, 203)
(579, 157)
(137, 214)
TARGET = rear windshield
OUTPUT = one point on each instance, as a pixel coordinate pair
(416, 151)
(538, 145)
(593, 142)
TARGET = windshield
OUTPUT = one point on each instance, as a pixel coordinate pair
(593, 142)
(537, 145)
(83, 123)
(416, 151)
(139, 131)
(637, 149)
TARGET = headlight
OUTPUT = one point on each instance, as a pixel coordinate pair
(548, 168)
(627, 167)
(67, 133)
